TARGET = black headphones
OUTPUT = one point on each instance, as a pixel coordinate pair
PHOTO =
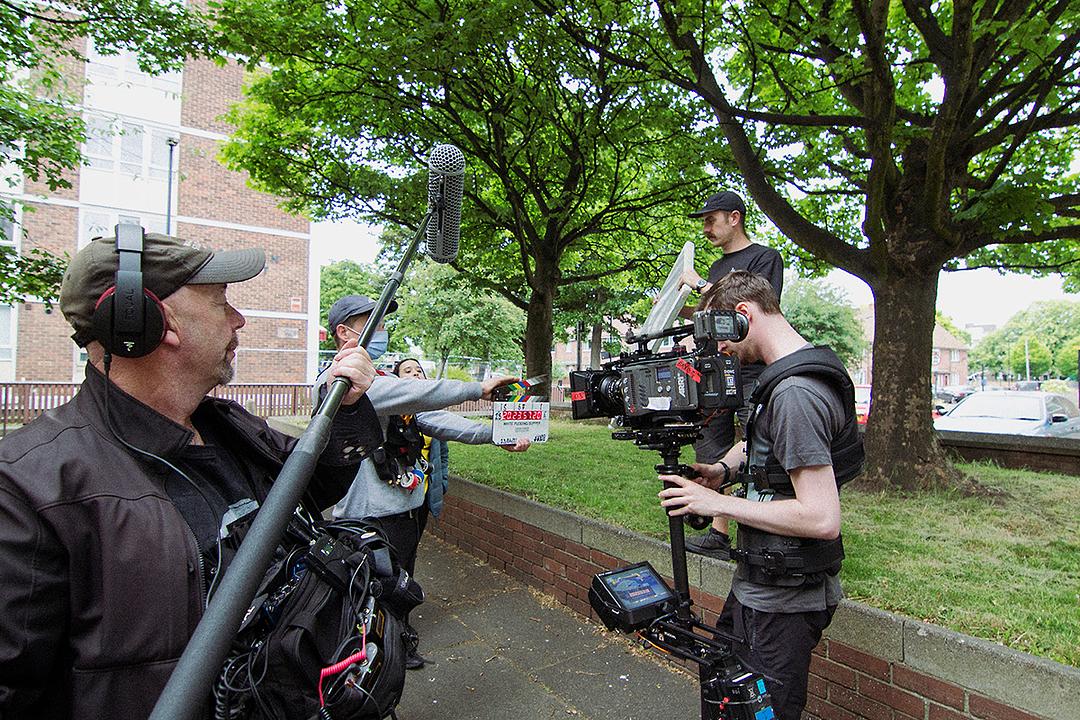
(129, 320)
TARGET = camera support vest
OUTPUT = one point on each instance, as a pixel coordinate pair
(768, 558)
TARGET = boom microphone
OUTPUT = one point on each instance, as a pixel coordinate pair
(446, 181)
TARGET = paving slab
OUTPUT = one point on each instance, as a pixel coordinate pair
(499, 650)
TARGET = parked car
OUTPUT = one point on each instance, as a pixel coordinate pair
(1014, 412)
(862, 403)
(953, 393)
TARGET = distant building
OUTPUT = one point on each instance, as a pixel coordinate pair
(140, 127)
(978, 331)
(948, 362)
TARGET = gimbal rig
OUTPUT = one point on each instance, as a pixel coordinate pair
(636, 599)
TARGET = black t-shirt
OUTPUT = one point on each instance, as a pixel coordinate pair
(758, 259)
(222, 482)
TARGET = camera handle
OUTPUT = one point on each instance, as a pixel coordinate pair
(672, 466)
(698, 522)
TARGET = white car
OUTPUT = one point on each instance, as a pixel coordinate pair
(1014, 413)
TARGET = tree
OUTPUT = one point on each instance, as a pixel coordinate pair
(442, 314)
(576, 166)
(1065, 359)
(1029, 358)
(40, 135)
(1053, 322)
(823, 315)
(346, 277)
(893, 140)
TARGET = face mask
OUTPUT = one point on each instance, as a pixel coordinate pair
(377, 346)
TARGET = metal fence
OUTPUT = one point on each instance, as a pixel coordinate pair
(21, 402)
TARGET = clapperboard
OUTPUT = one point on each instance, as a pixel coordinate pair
(520, 415)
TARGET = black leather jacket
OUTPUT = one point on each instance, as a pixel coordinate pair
(101, 583)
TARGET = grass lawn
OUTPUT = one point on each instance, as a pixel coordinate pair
(1006, 570)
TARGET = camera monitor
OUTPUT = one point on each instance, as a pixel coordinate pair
(672, 297)
(631, 597)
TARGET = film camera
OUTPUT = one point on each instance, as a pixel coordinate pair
(659, 400)
(650, 390)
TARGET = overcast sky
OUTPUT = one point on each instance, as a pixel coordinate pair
(976, 296)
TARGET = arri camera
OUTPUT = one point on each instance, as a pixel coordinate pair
(647, 390)
(659, 400)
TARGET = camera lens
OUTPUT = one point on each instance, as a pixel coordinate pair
(610, 392)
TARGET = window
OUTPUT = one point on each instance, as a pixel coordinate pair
(102, 223)
(131, 148)
(7, 224)
(6, 337)
(161, 146)
(98, 150)
(123, 69)
(128, 147)
(954, 356)
(7, 343)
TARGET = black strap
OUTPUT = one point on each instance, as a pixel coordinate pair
(812, 558)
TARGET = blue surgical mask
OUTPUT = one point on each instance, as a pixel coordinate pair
(377, 345)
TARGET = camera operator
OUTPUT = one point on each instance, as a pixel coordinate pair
(112, 506)
(723, 223)
(802, 443)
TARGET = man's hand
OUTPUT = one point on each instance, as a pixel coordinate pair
(354, 364)
(521, 445)
(708, 475)
(493, 383)
(689, 496)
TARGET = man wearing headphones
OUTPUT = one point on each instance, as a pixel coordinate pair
(802, 443)
(113, 506)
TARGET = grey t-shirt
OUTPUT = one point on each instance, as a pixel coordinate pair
(804, 414)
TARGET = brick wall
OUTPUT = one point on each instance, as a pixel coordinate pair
(266, 357)
(209, 190)
(209, 90)
(45, 350)
(70, 89)
(871, 664)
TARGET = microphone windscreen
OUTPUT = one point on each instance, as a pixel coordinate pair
(446, 182)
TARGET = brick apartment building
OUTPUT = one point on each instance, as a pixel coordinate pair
(138, 126)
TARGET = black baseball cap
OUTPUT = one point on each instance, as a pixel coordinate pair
(725, 200)
(167, 264)
(351, 306)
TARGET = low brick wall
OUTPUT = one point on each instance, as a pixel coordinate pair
(1044, 454)
(871, 664)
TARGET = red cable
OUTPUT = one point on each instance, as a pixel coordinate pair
(338, 667)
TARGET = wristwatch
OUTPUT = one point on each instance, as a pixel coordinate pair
(700, 285)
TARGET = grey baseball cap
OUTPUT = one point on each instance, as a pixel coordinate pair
(351, 306)
(724, 200)
(167, 264)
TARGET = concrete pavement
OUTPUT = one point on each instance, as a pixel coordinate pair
(498, 650)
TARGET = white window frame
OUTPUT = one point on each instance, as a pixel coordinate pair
(127, 147)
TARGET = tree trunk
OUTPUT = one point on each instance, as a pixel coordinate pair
(596, 345)
(538, 319)
(901, 449)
